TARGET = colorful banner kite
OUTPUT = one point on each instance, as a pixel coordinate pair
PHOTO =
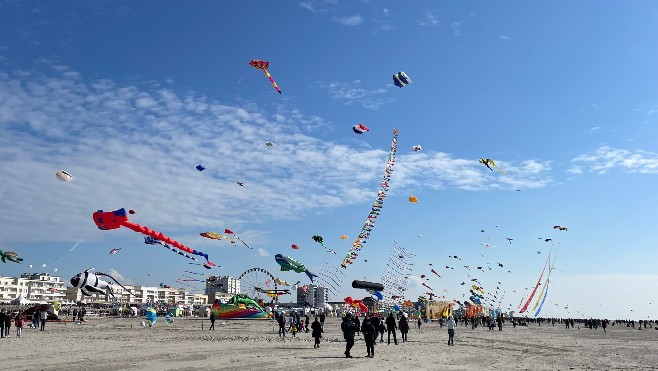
(370, 221)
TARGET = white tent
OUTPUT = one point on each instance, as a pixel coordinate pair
(21, 301)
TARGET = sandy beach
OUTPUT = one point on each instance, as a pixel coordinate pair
(112, 344)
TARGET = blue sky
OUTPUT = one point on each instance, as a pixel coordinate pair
(130, 97)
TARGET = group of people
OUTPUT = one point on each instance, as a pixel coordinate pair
(39, 318)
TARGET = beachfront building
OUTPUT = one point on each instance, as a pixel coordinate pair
(140, 294)
(314, 295)
(225, 285)
(37, 287)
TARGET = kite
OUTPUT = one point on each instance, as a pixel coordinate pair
(89, 283)
(295, 247)
(367, 285)
(269, 144)
(545, 288)
(240, 184)
(548, 239)
(413, 199)
(153, 241)
(228, 231)
(510, 240)
(64, 176)
(538, 252)
(200, 168)
(424, 284)
(417, 148)
(500, 264)
(216, 236)
(435, 272)
(560, 227)
(114, 251)
(490, 164)
(317, 238)
(151, 316)
(281, 282)
(11, 256)
(401, 79)
(118, 218)
(343, 237)
(360, 128)
(289, 264)
(262, 65)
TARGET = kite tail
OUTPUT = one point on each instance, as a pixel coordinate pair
(310, 275)
(542, 301)
(525, 306)
(113, 279)
(272, 81)
(159, 236)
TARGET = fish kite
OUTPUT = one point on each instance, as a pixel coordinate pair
(64, 176)
(11, 256)
(360, 128)
(228, 231)
(417, 148)
(262, 65)
(490, 164)
(289, 264)
(90, 283)
(116, 219)
(114, 251)
(216, 236)
(401, 79)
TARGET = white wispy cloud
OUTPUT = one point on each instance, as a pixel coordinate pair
(606, 158)
(351, 93)
(503, 37)
(119, 277)
(319, 6)
(592, 129)
(136, 147)
(354, 20)
(428, 20)
(262, 252)
(456, 28)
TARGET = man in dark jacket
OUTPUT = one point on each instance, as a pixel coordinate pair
(348, 333)
(369, 334)
(391, 326)
(317, 332)
(2, 323)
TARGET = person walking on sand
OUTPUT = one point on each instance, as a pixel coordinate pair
(348, 333)
(212, 321)
(419, 323)
(19, 323)
(7, 324)
(391, 326)
(316, 333)
(404, 327)
(604, 324)
(357, 324)
(369, 335)
(282, 325)
(35, 319)
(43, 318)
(382, 330)
(2, 323)
(500, 322)
(451, 331)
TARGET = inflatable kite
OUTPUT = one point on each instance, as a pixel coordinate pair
(200, 168)
(269, 144)
(90, 283)
(289, 264)
(151, 316)
(11, 256)
(490, 164)
(401, 79)
(262, 65)
(367, 285)
(360, 128)
(343, 237)
(118, 218)
(413, 199)
(417, 148)
(64, 176)
(369, 223)
(295, 247)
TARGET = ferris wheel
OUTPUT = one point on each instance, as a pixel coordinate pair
(256, 283)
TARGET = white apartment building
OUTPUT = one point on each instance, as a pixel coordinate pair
(314, 295)
(38, 287)
(141, 294)
(225, 285)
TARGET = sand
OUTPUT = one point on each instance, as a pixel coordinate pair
(112, 344)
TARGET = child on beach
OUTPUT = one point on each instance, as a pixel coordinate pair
(293, 330)
(19, 322)
(382, 330)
